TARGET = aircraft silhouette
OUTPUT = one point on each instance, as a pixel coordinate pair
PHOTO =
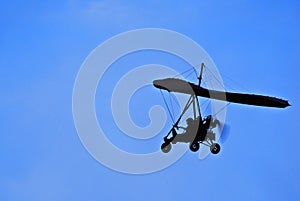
(200, 130)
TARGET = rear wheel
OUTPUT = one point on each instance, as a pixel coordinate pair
(215, 148)
(166, 147)
(194, 146)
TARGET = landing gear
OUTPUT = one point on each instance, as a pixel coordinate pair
(166, 147)
(194, 146)
(205, 135)
(215, 148)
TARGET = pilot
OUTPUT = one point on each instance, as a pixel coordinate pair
(190, 130)
(189, 122)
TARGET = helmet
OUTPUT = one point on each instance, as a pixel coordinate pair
(189, 120)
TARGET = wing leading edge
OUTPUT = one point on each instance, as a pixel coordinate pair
(181, 86)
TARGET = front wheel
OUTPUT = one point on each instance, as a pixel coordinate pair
(166, 147)
(194, 146)
(215, 148)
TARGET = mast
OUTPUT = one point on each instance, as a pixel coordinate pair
(196, 97)
(200, 75)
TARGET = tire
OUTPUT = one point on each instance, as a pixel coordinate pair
(215, 148)
(166, 147)
(194, 146)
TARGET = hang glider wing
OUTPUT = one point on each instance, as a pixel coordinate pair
(181, 86)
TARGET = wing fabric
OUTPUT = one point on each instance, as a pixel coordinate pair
(181, 86)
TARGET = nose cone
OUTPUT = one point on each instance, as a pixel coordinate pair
(160, 84)
(172, 84)
(157, 83)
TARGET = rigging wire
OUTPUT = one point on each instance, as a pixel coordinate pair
(205, 76)
(220, 83)
(194, 69)
(207, 106)
(172, 108)
(214, 115)
(189, 74)
(167, 106)
(228, 78)
(235, 83)
(182, 73)
(175, 100)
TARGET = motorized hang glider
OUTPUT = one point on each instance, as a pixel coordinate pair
(200, 130)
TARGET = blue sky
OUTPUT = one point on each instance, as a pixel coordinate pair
(42, 48)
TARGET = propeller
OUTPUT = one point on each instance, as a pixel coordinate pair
(225, 132)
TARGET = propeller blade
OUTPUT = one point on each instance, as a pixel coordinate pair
(225, 133)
